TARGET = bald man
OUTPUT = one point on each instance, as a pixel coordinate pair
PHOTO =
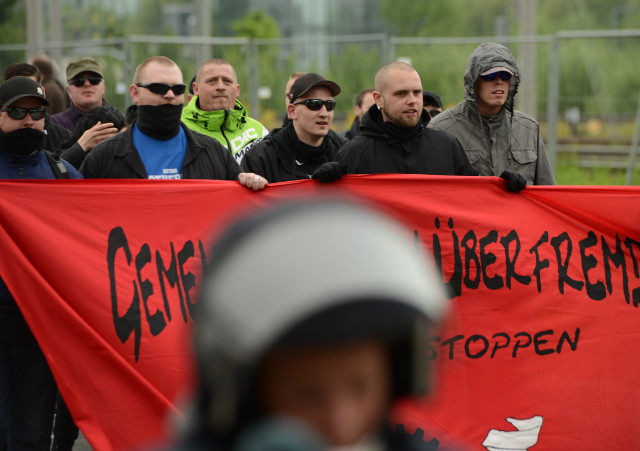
(394, 137)
(158, 145)
(214, 109)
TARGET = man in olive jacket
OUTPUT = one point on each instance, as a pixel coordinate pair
(494, 135)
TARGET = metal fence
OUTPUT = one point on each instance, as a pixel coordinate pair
(572, 81)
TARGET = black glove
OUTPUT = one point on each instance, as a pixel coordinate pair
(515, 182)
(329, 172)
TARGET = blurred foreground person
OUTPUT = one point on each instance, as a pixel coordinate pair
(310, 357)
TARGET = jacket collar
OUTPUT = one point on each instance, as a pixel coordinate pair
(132, 157)
(213, 120)
(374, 125)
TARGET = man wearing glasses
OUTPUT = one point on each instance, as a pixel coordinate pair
(85, 86)
(495, 136)
(158, 145)
(215, 110)
(304, 148)
(27, 388)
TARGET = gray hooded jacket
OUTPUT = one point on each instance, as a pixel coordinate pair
(509, 140)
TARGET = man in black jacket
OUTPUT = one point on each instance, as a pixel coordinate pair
(394, 134)
(157, 145)
(304, 148)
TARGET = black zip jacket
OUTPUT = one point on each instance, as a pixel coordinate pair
(56, 138)
(281, 156)
(385, 148)
(117, 158)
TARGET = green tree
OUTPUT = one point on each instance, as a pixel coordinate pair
(260, 25)
(442, 18)
(257, 25)
(12, 22)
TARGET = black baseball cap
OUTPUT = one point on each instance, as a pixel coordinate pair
(303, 84)
(18, 87)
(431, 97)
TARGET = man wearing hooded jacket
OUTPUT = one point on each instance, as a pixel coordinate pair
(494, 135)
(215, 110)
(394, 137)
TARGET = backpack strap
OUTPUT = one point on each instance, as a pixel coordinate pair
(59, 169)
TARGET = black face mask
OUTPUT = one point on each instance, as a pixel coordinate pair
(23, 141)
(160, 121)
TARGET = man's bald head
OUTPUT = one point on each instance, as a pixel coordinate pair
(215, 62)
(383, 74)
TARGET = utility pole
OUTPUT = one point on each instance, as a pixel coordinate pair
(35, 26)
(528, 56)
(204, 28)
(55, 29)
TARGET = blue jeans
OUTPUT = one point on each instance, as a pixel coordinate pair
(27, 397)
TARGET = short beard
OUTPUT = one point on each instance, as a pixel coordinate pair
(400, 120)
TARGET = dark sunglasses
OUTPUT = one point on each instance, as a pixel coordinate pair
(504, 76)
(18, 113)
(163, 88)
(434, 112)
(79, 81)
(316, 104)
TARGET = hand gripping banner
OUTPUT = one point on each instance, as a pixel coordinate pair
(539, 350)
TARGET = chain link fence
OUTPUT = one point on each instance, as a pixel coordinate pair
(576, 84)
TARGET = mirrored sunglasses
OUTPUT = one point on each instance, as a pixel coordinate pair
(79, 81)
(18, 113)
(163, 88)
(504, 76)
(316, 104)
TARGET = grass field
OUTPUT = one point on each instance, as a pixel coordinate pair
(569, 173)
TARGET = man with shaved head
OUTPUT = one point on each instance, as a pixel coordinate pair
(394, 135)
(158, 145)
(215, 110)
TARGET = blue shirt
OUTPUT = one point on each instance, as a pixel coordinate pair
(161, 159)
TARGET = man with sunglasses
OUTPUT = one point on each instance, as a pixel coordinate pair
(304, 148)
(85, 88)
(27, 388)
(495, 136)
(157, 145)
(215, 110)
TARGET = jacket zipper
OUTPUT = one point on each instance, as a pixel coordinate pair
(224, 127)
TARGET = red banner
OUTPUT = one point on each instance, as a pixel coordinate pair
(539, 350)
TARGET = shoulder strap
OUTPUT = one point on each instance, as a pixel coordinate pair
(59, 169)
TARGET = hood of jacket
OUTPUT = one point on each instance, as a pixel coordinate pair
(213, 120)
(484, 57)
